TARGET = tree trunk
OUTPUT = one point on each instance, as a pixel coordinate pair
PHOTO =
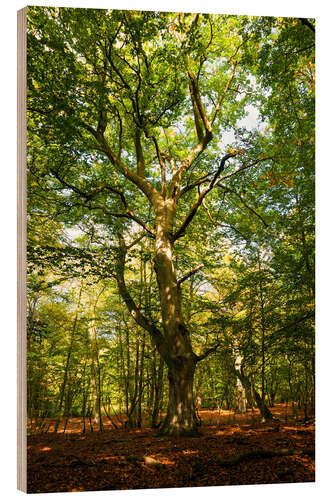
(68, 359)
(157, 394)
(181, 419)
(241, 393)
(177, 349)
(140, 382)
(173, 343)
(265, 414)
(95, 367)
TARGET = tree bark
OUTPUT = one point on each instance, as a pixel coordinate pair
(173, 341)
(158, 388)
(241, 393)
(265, 413)
(95, 366)
(181, 418)
(178, 355)
(68, 359)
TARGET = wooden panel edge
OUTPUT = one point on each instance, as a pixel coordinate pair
(21, 250)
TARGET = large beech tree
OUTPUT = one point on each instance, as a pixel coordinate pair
(128, 113)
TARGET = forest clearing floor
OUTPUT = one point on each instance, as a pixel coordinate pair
(232, 450)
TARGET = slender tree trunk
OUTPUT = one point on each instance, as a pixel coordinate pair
(241, 393)
(158, 393)
(264, 411)
(67, 364)
(123, 373)
(263, 330)
(140, 382)
(132, 413)
(95, 367)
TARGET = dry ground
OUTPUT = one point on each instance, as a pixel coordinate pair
(232, 450)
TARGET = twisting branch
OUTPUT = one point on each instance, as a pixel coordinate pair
(189, 274)
(181, 231)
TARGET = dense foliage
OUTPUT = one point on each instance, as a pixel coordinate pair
(170, 214)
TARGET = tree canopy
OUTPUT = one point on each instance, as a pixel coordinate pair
(170, 208)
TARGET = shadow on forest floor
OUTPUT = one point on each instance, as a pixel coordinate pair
(225, 454)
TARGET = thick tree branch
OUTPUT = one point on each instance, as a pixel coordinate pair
(196, 113)
(182, 229)
(143, 184)
(198, 109)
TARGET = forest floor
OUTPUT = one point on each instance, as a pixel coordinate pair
(232, 450)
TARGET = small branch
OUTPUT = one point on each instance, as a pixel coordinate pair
(128, 215)
(198, 182)
(245, 204)
(90, 196)
(139, 154)
(208, 352)
(236, 231)
(162, 163)
(299, 50)
(187, 163)
(243, 168)
(222, 96)
(120, 135)
(208, 213)
(189, 274)
(141, 182)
